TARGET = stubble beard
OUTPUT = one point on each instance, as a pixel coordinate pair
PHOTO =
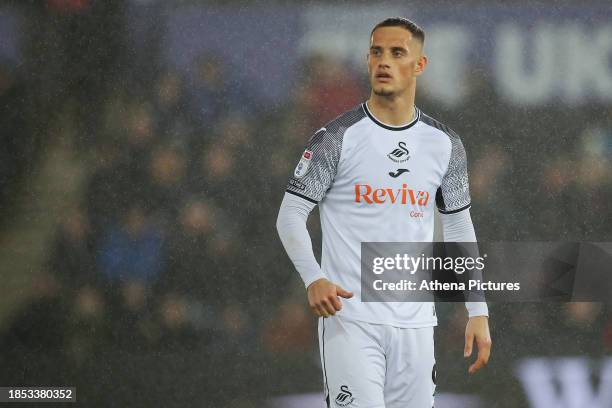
(383, 92)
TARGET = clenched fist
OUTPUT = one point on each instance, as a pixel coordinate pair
(324, 297)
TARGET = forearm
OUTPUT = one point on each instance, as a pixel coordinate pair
(458, 227)
(291, 227)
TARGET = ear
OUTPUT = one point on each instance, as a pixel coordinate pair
(368, 62)
(420, 65)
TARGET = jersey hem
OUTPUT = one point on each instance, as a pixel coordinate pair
(403, 325)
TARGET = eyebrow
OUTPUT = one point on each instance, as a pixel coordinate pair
(378, 47)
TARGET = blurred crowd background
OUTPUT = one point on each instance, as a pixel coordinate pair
(161, 280)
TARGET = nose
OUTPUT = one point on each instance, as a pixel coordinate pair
(383, 64)
(383, 61)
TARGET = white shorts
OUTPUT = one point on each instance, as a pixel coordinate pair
(369, 365)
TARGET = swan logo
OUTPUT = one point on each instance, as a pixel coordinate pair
(344, 397)
(399, 154)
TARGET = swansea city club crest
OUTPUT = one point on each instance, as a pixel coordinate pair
(399, 154)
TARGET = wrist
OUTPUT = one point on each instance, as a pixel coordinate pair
(315, 281)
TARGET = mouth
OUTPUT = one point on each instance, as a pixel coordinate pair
(383, 77)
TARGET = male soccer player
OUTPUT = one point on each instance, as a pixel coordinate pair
(379, 354)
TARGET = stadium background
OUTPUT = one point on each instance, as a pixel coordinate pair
(145, 149)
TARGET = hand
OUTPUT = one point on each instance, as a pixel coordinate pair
(324, 297)
(478, 329)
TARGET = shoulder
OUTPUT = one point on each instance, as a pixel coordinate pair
(437, 125)
(456, 145)
(337, 127)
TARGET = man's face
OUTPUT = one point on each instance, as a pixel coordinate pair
(395, 59)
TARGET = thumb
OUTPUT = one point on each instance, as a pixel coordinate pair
(343, 293)
(469, 341)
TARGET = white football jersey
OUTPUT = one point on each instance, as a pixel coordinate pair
(379, 183)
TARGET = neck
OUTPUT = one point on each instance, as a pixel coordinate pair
(392, 110)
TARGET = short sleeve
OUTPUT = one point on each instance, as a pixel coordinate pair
(453, 195)
(316, 169)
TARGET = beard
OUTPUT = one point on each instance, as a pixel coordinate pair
(382, 92)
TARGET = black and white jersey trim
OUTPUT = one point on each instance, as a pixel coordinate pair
(417, 114)
(455, 211)
(302, 196)
(325, 147)
(453, 195)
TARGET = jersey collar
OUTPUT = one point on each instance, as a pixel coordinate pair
(417, 115)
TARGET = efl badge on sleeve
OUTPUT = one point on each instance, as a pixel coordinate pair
(302, 166)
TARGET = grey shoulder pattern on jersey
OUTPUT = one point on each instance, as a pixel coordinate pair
(325, 147)
(428, 120)
(453, 195)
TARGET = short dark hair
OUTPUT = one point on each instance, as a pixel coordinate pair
(417, 32)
